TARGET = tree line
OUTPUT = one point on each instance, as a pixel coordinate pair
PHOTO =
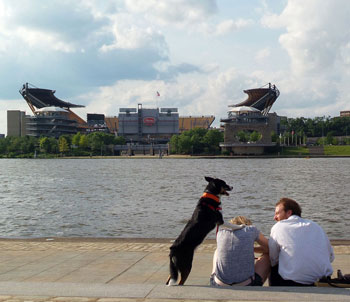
(96, 143)
(318, 126)
(197, 141)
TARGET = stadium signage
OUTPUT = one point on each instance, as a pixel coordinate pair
(149, 121)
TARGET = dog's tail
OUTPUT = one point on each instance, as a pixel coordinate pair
(174, 274)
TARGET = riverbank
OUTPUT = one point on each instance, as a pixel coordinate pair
(177, 156)
(284, 152)
(125, 269)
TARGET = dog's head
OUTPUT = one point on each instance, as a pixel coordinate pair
(217, 186)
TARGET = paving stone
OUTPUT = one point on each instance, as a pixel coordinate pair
(127, 271)
(74, 299)
(31, 298)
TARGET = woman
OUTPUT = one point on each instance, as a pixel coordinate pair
(233, 262)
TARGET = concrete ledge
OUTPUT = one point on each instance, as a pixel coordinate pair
(240, 293)
(62, 289)
(162, 292)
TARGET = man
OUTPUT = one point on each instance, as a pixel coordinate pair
(300, 251)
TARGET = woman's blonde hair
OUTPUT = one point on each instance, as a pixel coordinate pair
(241, 220)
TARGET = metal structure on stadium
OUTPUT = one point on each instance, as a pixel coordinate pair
(249, 116)
(52, 116)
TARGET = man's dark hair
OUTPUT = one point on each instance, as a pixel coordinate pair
(290, 204)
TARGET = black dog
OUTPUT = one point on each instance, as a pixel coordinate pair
(204, 219)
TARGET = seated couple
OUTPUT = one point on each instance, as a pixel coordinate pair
(298, 252)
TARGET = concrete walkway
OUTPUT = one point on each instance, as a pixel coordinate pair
(129, 270)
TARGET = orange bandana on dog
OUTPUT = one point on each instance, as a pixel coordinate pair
(211, 196)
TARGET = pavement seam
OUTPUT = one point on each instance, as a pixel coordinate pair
(28, 263)
(150, 291)
(155, 272)
(58, 263)
(86, 264)
(127, 268)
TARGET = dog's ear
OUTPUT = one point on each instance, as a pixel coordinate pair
(208, 179)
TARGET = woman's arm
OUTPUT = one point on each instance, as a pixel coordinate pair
(263, 245)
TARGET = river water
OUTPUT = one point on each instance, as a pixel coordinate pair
(153, 198)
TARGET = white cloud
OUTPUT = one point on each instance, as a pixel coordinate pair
(228, 26)
(35, 39)
(316, 39)
(263, 54)
(130, 33)
(315, 34)
(179, 13)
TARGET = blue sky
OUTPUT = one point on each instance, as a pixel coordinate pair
(199, 54)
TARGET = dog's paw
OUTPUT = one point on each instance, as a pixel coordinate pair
(172, 282)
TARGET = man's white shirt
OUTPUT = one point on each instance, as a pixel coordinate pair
(302, 250)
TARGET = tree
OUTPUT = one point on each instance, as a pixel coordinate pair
(197, 141)
(3, 145)
(185, 144)
(242, 137)
(48, 144)
(63, 145)
(119, 140)
(274, 137)
(212, 140)
(255, 136)
(44, 144)
(76, 139)
(96, 141)
(174, 144)
(83, 142)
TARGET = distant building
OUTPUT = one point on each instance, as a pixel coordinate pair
(112, 124)
(145, 126)
(96, 122)
(185, 122)
(52, 116)
(16, 123)
(51, 121)
(345, 113)
(190, 122)
(251, 115)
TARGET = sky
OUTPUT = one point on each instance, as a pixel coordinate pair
(198, 54)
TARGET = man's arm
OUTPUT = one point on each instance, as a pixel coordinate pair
(330, 249)
(274, 251)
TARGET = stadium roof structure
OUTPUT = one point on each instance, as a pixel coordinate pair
(51, 109)
(260, 98)
(244, 109)
(39, 98)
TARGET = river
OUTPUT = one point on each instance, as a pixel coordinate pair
(153, 198)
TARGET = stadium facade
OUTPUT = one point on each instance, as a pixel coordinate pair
(251, 115)
(51, 116)
(54, 117)
(148, 125)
